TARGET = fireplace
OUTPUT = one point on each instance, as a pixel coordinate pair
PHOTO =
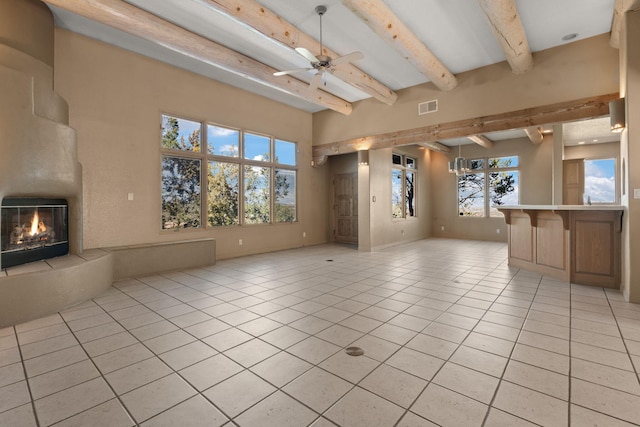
(33, 229)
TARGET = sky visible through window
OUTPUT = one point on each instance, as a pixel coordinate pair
(599, 181)
(223, 141)
(258, 167)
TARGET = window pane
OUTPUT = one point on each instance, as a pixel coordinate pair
(503, 162)
(285, 152)
(599, 181)
(396, 194)
(503, 190)
(410, 163)
(257, 147)
(180, 134)
(471, 195)
(222, 141)
(410, 197)
(180, 192)
(285, 195)
(397, 159)
(256, 195)
(223, 193)
(476, 164)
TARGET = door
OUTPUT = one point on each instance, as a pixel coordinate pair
(345, 206)
(573, 182)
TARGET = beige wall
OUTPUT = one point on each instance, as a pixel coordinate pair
(630, 155)
(376, 227)
(116, 99)
(535, 187)
(384, 229)
(566, 73)
(607, 150)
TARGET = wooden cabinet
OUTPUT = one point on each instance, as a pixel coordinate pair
(581, 245)
(595, 248)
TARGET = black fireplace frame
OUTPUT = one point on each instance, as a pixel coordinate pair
(12, 259)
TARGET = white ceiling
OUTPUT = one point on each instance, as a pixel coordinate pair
(456, 31)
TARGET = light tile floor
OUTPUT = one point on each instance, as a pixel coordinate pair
(451, 336)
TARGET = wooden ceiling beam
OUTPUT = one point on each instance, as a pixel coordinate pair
(586, 108)
(269, 24)
(534, 133)
(620, 7)
(481, 140)
(132, 20)
(435, 146)
(389, 27)
(505, 22)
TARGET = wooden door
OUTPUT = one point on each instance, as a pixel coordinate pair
(345, 206)
(573, 182)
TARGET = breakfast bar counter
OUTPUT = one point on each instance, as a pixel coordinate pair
(576, 243)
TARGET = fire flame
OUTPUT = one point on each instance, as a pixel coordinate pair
(34, 224)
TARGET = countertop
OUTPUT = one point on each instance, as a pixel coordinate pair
(564, 207)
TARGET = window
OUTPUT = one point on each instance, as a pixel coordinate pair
(181, 174)
(250, 178)
(403, 181)
(490, 183)
(599, 181)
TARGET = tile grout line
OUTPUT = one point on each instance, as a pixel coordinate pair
(624, 342)
(570, 354)
(26, 378)
(400, 287)
(117, 396)
(506, 366)
(407, 410)
(173, 371)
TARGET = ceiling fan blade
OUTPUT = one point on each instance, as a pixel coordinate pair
(307, 54)
(285, 72)
(315, 82)
(353, 56)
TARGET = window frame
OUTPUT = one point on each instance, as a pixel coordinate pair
(205, 157)
(408, 165)
(483, 167)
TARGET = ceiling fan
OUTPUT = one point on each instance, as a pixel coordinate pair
(320, 63)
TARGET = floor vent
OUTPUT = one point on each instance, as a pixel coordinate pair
(428, 107)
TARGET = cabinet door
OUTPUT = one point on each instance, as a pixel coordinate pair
(595, 248)
(573, 182)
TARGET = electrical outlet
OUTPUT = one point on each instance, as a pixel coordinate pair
(129, 196)
(442, 228)
(304, 234)
(240, 242)
(497, 231)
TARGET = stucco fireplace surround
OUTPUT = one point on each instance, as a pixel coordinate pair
(38, 159)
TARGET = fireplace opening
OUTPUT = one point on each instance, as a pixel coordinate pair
(32, 229)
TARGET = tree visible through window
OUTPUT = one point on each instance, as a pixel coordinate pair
(181, 198)
(223, 190)
(501, 174)
(265, 166)
(403, 184)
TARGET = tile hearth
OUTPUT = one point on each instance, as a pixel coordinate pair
(451, 336)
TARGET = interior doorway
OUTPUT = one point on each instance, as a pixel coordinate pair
(345, 207)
